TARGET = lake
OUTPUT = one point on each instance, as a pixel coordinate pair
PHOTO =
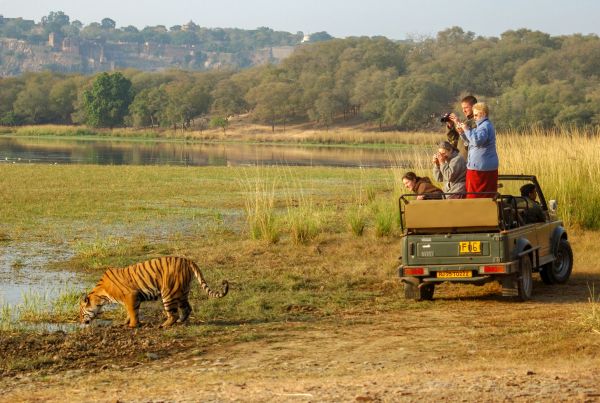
(148, 152)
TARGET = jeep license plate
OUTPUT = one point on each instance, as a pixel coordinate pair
(454, 274)
(469, 248)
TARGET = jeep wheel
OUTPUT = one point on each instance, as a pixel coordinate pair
(424, 293)
(524, 281)
(560, 270)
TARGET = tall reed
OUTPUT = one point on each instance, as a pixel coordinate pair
(259, 204)
(304, 219)
(567, 166)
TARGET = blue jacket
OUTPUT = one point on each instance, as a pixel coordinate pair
(482, 146)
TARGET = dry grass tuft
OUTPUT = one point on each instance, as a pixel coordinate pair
(590, 315)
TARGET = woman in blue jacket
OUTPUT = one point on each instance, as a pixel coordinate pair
(482, 160)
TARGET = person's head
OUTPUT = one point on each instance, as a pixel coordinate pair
(445, 148)
(480, 110)
(410, 180)
(467, 105)
(529, 191)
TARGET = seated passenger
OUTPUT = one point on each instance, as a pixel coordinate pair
(451, 168)
(421, 186)
(533, 213)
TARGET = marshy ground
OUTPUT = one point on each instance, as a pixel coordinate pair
(317, 315)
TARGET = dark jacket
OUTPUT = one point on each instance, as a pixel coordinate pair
(533, 212)
(456, 141)
(426, 188)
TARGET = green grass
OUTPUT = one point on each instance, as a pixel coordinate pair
(41, 307)
(357, 220)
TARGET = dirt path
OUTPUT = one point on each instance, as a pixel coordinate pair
(481, 347)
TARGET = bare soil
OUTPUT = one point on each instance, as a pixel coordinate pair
(468, 344)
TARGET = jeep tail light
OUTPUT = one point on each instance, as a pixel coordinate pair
(414, 271)
(494, 269)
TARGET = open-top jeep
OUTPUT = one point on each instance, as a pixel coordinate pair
(480, 240)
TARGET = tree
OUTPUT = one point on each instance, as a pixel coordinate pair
(271, 101)
(186, 100)
(54, 21)
(320, 36)
(324, 108)
(107, 102)
(412, 100)
(369, 93)
(9, 91)
(33, 103)
(107, 24)
(147, 107)
(228, 98)
(62, 97)
(219, 121)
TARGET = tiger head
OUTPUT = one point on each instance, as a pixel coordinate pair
(89, 307)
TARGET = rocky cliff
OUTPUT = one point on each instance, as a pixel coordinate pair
(89, 56)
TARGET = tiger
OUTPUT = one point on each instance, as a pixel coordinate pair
(168, 277)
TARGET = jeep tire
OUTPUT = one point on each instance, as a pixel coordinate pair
(524, 280)
(559, 271)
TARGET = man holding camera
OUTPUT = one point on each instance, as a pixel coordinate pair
(453, 136)
(450, 168)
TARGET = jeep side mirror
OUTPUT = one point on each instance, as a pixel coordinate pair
(553, 205)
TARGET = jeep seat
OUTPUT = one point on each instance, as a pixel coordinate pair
(453, 215)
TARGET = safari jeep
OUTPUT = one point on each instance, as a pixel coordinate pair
(476, 241)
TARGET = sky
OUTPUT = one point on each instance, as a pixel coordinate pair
(395, 19)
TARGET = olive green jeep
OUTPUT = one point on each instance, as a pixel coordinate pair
(479, 240)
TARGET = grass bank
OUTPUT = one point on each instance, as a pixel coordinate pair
(239, 132)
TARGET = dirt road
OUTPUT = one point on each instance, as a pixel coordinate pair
(474, 347)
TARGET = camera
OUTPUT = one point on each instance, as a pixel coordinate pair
(445, 118)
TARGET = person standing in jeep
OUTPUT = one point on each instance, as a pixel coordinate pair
(482, 163)
(453, 135)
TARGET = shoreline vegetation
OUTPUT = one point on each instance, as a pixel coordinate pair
(243, 133)
(250, 133)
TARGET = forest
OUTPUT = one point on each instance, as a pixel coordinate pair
(204, 38)
(529, 78)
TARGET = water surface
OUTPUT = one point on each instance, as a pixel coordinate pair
(128, 152)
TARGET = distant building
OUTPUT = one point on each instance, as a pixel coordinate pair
(190, 26)
(70, 45)
(306, 38)
(55, 40)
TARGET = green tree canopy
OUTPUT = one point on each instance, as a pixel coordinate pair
(107, 102)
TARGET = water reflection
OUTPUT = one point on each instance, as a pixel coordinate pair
(117, 152)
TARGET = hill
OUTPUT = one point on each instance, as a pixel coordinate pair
(58, 44)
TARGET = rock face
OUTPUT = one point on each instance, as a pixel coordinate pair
(90, 56)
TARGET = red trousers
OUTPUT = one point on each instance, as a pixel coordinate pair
(481, 181)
